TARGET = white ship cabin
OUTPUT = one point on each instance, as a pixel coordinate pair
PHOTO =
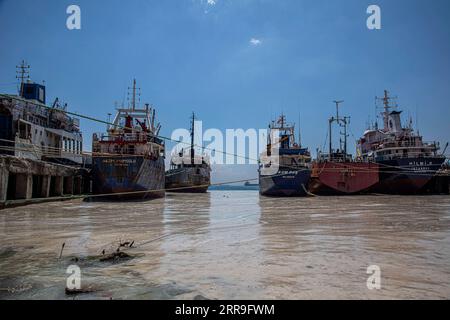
(184, 160)
(394, 140)
(282, 149)
(32, 130)
(133, 132)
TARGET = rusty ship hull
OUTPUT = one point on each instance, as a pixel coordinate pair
(343, 178)
(188, 180)
(128, 178)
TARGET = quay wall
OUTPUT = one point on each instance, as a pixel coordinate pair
(25, 181)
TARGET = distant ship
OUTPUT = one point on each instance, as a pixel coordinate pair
(406, 163)
(189, 173)
(128, 161)
(286, 173)
(337, 173)
(249, 184)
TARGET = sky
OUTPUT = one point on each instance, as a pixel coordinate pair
(237, 63)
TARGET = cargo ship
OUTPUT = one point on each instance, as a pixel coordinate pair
(249, 184)
(284, 168)
(337, 172)
(128, 161)
(189, 173)
(407, 163)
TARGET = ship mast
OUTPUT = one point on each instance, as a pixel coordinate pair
(340, 121)
(337, 108)
(386, 101)
(299, 132)
(282, 119)
(23, 74)
(387, 108)
(133, 99)
(192, 137)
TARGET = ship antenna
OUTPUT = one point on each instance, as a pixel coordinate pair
(337, 108)
(282, 120)
(299, 132)
(417, 120)
(23, 73)
(386, 101)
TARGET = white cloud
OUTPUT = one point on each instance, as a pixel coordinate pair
(208, 4)
(255, 42)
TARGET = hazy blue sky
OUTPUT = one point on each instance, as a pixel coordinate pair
(198, 55)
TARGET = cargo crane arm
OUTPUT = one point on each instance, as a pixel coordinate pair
(143, 125)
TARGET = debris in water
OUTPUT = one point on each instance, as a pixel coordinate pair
(62, 248)
(116, 256)
(128, 244)
(7, 252)
(78, 291)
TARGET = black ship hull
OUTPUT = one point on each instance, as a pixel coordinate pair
(128, 178)
(288, 184)
(188, 180)
(407, 176)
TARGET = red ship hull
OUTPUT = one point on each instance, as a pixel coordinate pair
(343, 178)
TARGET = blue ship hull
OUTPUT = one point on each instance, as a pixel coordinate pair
(123, 178)
(285, 184)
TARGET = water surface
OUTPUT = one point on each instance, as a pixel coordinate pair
(231, 245)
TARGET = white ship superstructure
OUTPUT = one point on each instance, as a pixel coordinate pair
(30, 129)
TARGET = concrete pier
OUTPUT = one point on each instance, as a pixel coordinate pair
(24, 186)
(24, 180)
(4, 175)
(45, 189)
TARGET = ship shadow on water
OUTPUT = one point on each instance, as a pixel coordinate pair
(118, 199)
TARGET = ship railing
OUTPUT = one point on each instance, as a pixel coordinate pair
(407, 144)
(337, 157)
(32, 107)
(125, 137)
(406, 156)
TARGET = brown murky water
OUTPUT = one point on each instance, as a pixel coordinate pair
(231, 245)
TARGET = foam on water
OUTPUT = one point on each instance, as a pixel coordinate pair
(229, 245)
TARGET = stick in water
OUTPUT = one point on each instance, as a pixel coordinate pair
(62, 248)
